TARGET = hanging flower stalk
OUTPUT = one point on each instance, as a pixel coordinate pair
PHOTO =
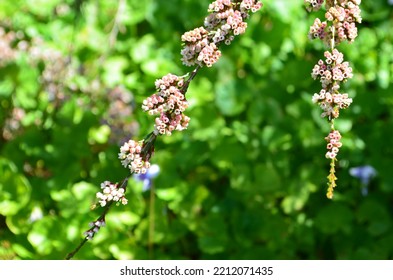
(340, 25)
(226, 20)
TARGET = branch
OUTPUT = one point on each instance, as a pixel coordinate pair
(225, 21)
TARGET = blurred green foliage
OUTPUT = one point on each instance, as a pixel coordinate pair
(246, 180)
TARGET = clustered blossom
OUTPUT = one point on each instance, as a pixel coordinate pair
(339, 26)
(119, 115)
(7, 52)
(13, 124)
(343, 17)
(331, 72)
(317, 30)
(330, 103)
(111, 192)
(334, 144)
(94, 228)
(169, 103)
(225, 21)
(131, 157)
(197, 45)
(57, 73)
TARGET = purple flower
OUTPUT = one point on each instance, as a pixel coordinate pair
(363, 173)
(146, 178)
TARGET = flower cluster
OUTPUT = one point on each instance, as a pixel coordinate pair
(334, 144)
(331, 72)
(7, 52)
(341, 17)
(94, 228)
(13, 124)
(111, 192)
(197, 45)
(57, 73)
(331, 102)
(169, 103)
(317, 30)
(119, 116)
(225, 21)
(131, 157)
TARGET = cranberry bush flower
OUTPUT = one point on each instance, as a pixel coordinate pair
(340, 25)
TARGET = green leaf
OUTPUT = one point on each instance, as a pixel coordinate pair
(6, 87)
(15, 189)
(267, 178)
(227, 98)
(334, 218)
(212, 234)
(99, 135)
(114, 70)
(40, 236)
(375, 216)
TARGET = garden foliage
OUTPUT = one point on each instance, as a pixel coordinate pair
(245, 180)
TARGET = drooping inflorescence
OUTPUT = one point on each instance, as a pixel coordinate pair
(226, 20)
(341, 15)
(111, 192)
(131, 157)
(169, 103)
(340, 25)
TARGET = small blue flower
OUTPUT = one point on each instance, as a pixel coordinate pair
(364, 174)
(146, 178)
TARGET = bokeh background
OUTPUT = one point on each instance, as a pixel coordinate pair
(246, 180)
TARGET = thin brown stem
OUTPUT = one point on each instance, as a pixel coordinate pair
(192, 76)
(100, 218)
